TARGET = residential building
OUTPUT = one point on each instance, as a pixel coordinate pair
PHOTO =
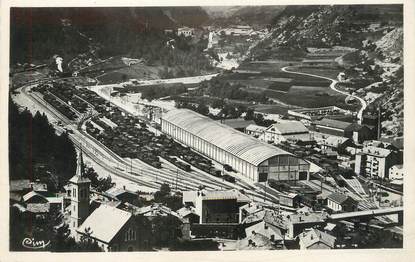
(290, 200)
(185, 31)
(296, 223)
(123, 195)
(331, 126)
(396, 172)
(336, 143)
(271, 232)
(287, 130)
(316, 239)
(35, 203)
(339, 202)
(254, 159)
(216, 206)
(375, 162)
(256, 131)
(355, 131)
(360, 133)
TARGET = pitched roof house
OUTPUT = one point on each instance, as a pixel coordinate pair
(316, 239)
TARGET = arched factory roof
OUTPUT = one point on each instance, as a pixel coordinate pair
(239, 144)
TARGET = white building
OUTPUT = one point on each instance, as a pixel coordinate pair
(220, 206)
(254, 159)
(256, 131)
(339, 202)
(185, 31)
(287, 130)
(375, 162)
(316, 239)
(396, 172)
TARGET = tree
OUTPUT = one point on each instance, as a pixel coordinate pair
(202, 109)
(249, 114)
(165, 189)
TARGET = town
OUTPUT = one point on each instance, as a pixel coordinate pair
(212, 135)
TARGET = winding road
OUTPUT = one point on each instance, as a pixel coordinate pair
(333, 87)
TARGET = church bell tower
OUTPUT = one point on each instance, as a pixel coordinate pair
(78, 191)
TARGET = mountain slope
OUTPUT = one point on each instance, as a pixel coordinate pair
(37, 33)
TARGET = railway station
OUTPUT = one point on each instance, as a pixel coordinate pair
(254, 159)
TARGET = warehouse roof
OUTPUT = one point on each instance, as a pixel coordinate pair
(241, 145)
(288, 127)
(333, 123)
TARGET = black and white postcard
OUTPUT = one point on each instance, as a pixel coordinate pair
(273, 127)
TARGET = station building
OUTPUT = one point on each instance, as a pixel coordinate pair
(254, 159)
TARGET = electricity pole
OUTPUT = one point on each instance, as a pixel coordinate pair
(177, 175)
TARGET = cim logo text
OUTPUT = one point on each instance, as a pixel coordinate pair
(31, 243)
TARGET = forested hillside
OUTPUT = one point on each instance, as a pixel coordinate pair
(36, 152)
(39, 33)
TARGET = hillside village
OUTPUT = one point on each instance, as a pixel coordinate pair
(244, 129)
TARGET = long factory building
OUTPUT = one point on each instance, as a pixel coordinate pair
(251, 157)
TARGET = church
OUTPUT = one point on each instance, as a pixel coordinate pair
(112, 228)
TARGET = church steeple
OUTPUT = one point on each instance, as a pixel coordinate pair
(79, 194)
(80, 165)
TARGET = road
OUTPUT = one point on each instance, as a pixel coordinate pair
(183, 80)
(333, 87)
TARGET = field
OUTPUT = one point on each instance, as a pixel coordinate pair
(292, 89)
(131, 72)
(325, 71)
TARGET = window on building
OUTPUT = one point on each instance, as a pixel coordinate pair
(129, 235)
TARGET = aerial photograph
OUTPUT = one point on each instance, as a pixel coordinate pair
(206, 128)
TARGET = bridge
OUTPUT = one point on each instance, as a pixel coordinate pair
(369, 214)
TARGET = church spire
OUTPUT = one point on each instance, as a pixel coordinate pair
(80, 165)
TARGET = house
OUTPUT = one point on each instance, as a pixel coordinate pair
(375, 161)
(251, 213)
(221, 206)
(267, 230)
(123, 195)
(296, 223)
(188, 214)
(360, 133)
(185, 31)
(56, 204)
(396, 172)
(287, 130)
(339, 202)
(256, 131)
(290, 200)
(331, 126)
(36, 203)
(316, 239)
(23, 186)
(112, 228)
(336, 143)
(154, 210)
(255, 241)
